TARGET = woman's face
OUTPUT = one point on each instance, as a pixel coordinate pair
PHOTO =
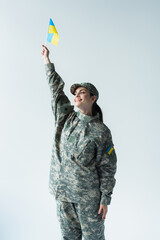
(82, 98)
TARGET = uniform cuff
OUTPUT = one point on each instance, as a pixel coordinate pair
(49, 67)
(105, 200)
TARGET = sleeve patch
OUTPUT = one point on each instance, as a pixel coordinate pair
(109, 150)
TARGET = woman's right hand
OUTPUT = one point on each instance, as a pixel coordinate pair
(45, 54)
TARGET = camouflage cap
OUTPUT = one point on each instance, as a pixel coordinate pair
(90, 87)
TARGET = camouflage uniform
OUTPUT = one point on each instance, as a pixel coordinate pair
(83, 165)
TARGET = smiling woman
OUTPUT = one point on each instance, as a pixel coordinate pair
(82, 164)
(83, 100)
(94, 95)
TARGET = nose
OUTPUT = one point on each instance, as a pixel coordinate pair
(76, 94)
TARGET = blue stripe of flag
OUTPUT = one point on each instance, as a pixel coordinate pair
(49, 37)
(51, 22)
(108, 149)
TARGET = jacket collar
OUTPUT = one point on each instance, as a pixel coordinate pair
(86, 118)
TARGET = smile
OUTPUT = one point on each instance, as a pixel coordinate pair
(78, 100)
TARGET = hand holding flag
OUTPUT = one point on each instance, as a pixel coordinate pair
(45, 54)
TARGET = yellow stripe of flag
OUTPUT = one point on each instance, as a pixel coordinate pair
(55, 39)
(52, 29)
(110, 150)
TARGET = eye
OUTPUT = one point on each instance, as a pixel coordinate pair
(80, 92)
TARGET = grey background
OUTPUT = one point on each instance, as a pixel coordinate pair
(112, 44)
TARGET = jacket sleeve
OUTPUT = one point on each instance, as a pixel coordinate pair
(60, 103)
(106, 167)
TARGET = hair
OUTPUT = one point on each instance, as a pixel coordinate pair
(96, 109)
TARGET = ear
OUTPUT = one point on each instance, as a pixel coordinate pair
(94, 98)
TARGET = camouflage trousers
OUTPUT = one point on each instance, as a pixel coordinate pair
(80, 220)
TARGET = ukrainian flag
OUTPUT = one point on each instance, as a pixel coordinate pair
(53, 36)
(109, 150)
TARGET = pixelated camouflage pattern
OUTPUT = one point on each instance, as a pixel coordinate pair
(81, 170)
(77, 220)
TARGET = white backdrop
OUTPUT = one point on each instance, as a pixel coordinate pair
(113, 44)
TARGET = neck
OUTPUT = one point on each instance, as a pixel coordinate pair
(86, 112)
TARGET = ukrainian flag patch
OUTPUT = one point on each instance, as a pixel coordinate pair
(109, 150)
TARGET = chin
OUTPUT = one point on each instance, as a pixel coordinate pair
(78, 104)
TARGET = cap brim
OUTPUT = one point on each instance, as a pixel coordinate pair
(74, 87)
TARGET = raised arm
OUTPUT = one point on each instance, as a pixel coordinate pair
(60, 103)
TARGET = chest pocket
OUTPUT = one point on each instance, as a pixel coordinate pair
(85, 151)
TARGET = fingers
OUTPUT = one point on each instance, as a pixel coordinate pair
(103, 209)
(104, 213)
(44, 47)
(100, 209)
(45, 53)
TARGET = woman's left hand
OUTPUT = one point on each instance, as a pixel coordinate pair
(104, 209)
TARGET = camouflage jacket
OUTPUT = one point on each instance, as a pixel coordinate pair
(83, 161)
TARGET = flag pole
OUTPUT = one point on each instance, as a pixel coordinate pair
(45, 43)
